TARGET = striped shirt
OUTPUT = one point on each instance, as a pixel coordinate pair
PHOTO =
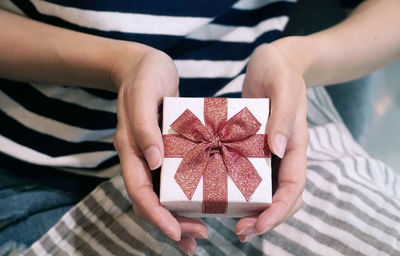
(47, 127)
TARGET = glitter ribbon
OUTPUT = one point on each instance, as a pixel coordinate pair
(216, 150)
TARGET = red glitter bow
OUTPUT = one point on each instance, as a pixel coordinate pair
(213, 151)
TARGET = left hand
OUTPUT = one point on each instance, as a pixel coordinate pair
(272, 74)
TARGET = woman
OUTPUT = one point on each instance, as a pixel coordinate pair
(210, 44)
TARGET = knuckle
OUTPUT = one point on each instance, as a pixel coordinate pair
(131, 92)
(140, 128)
(117, 140)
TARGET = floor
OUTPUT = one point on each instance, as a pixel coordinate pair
(382, 135)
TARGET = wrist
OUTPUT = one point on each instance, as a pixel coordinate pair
(127, 57)
(296, 51)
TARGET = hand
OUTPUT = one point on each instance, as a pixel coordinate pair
(272, 74)
(143, 83)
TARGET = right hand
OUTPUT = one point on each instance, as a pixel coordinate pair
(142, 83)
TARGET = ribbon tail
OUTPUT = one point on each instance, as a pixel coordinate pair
(215, 186)
(242, 172)
(191, 169)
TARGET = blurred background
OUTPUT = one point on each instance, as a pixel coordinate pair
(370, 106)
(382, 134)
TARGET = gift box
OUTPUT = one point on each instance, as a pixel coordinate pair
(217, 162)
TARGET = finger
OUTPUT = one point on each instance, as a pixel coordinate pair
(284, 96)
(139, 187)
(246, 226)
(192, 227)
(187, 244)
(141, 107)
(246, 238)
(291, 184)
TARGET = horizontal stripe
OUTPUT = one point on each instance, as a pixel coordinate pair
(78, 237)
(122, 22)
(114, 237)
(328, 235)
(77, 95)
(352, 182)
(290, 230)
(196, 8)
(161, 42)
(341, 229)
(44, 143)
(110, 194)
(71, 114)
(290, 245)
(252, 4)
(353, 187)
(46, 126)
(201, 87)
(99, 93)
(108, 168)
(218, 50)
(238, 33)
(236, 17)
(50, 177)
(231, 95)
(82, 160)
(10, 6)
(359, 227)
(348, 199)
(343, 164)
(209, 69)
(233, 86)
(357, 214)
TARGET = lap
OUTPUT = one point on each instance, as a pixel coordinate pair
(29, 209)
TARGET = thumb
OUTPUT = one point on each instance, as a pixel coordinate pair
(284, 105)
(144, 122)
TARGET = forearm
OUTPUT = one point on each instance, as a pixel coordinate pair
(31, 51)
(367, 40)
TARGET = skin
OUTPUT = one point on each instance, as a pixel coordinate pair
(142, 76)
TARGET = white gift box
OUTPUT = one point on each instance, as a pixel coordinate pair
(171, 195)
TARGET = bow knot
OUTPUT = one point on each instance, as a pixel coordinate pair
(215, 150)
(216, 145)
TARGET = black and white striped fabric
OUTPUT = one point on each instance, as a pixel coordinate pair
(351, 207)
(45, 127)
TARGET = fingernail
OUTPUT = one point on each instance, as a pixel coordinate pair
(173, 235)
(176, 238)
(279, 144)
(153, 157)
(200, 235)
(246, 231)
(244, 240)
(266, 229)
(188, 252)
